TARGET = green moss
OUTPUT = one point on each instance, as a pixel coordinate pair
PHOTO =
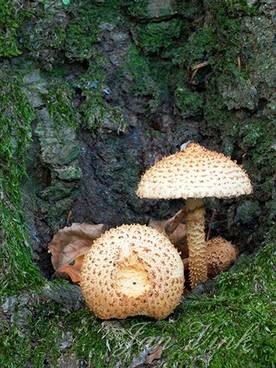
(199, 46)
(226, 28)
(190, 9)
(257, 139)
(56, 29)
(15, 123)
(83, 30)
(231, 326)
(97, 114)
(218, 40)
(153, 37)
(82, 33)
(136, 8)
(12, 15)
(44, 33)
(146, 9)
(237, 7)
(95, 111)
(59, 102)
(257, 134)
(139, 70)
(37, 344)
(216, 112)
(56, 191)
(189, 103)
(46, 28)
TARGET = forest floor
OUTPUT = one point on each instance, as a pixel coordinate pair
(230, 325)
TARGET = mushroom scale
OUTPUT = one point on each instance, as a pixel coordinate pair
(132, 270)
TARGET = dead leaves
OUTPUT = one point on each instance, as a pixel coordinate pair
(148, 356)
(69, 245)
(72, 270)
(155, 354)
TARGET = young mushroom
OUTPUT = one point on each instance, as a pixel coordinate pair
(132, 270)
(193, 174)
(221, 254)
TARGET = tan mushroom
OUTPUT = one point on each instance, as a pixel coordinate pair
(193, 174)
(221, 254)
(132, 270)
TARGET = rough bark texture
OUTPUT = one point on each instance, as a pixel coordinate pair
(115, 85)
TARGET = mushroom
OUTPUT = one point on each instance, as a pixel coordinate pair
(221, 254)
(193, 174)
(132, 270)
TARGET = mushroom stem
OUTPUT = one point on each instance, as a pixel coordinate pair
(196, 241)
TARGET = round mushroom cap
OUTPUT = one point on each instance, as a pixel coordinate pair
(132, 270)
(221, 254)
(195, 172)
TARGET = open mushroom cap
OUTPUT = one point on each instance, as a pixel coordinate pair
(132, 270)
(195, 172)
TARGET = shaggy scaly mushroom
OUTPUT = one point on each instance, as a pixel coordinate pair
(221, 254)
(193, 174)
(132, 270)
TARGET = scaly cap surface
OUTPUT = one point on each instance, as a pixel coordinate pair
(132, 270)
(221, 254)
(195, 172)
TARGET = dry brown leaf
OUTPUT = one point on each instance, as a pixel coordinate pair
(72, 270)
(70, 243)
(178, 237)
(155, 354)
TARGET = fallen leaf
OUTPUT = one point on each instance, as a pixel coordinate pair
(147, 356)
(155, 354)
(70, 244)
(72, 270)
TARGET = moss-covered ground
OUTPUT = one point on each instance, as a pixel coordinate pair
(231, 326)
